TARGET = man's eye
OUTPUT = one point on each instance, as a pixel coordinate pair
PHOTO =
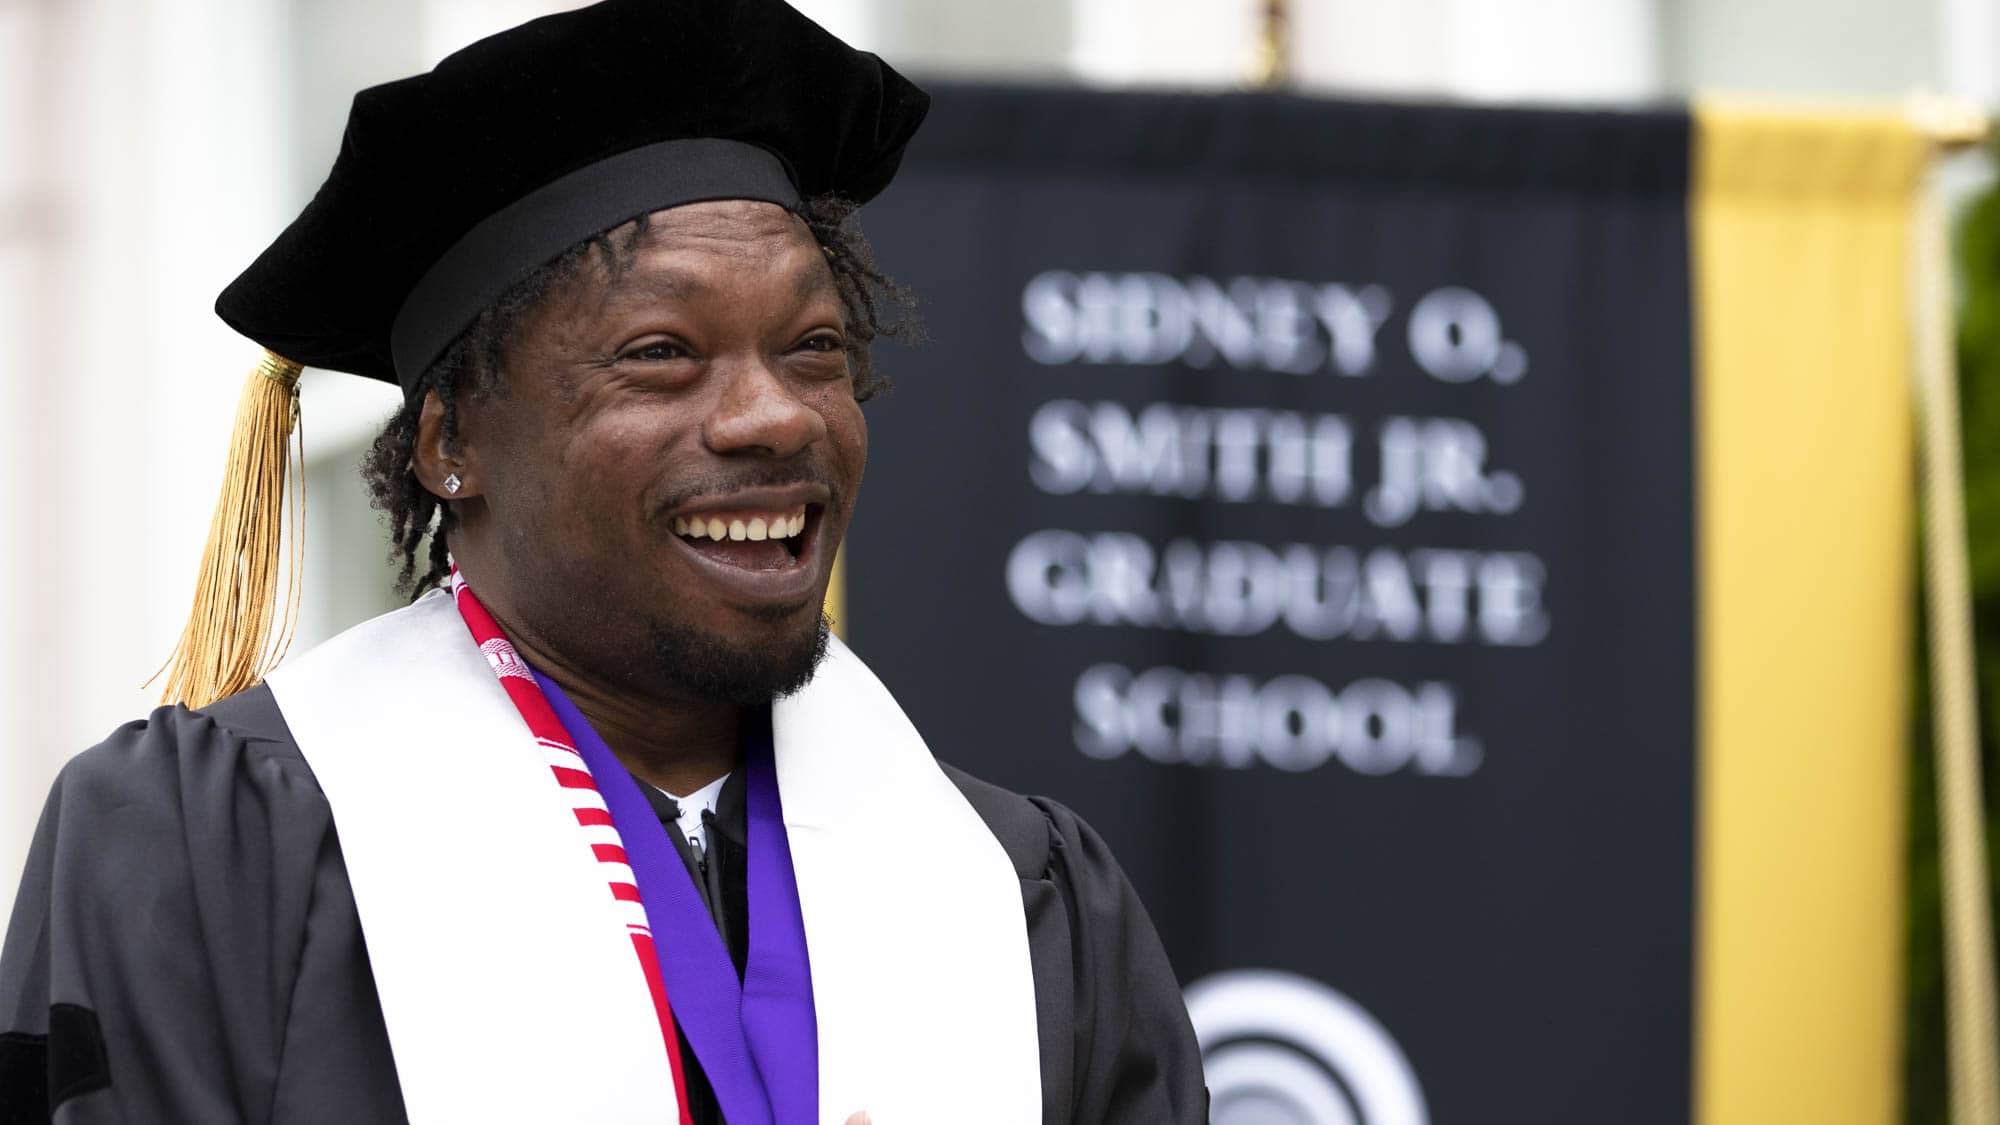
(824, 342)
(659, 352)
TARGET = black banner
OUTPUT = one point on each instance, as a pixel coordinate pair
(1302, 492)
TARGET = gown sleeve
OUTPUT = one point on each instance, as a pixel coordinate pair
(1116, 1044)
(184, 946)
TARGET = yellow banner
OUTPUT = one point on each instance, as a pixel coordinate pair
(1800, 230)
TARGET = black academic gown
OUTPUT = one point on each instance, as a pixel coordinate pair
(185, 947)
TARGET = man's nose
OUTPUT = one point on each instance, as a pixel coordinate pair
(759, 412)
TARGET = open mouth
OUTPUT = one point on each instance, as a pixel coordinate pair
(758, 540)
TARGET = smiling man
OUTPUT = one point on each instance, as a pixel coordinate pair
(604, 826)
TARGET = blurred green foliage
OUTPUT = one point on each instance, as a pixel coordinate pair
(1978, 253)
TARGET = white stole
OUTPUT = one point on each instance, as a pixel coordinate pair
(507, 982)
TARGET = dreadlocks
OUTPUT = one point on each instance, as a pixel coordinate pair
(474, 365)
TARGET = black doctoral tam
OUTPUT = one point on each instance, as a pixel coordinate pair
(451, 185)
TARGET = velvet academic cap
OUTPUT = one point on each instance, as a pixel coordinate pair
(452, 185)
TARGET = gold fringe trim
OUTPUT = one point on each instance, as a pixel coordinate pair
(239, 627)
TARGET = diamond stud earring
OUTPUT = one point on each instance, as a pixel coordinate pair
(452, 484)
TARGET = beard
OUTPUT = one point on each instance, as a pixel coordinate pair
(710, 669)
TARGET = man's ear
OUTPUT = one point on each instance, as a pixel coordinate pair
(436, 465)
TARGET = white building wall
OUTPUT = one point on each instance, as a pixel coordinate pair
(1855, 48)
(26, 235)
(1968, 35)
(141, 168)
(1562, 51)
(1144, 42)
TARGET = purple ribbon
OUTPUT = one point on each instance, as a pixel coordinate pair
(756, 1038)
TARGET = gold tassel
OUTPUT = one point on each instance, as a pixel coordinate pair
(228, 643)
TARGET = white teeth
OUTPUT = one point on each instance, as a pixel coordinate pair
(755, 529)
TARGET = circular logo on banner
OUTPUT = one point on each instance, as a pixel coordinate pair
(1281, 1049)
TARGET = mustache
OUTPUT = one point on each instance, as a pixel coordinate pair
(763, 475)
